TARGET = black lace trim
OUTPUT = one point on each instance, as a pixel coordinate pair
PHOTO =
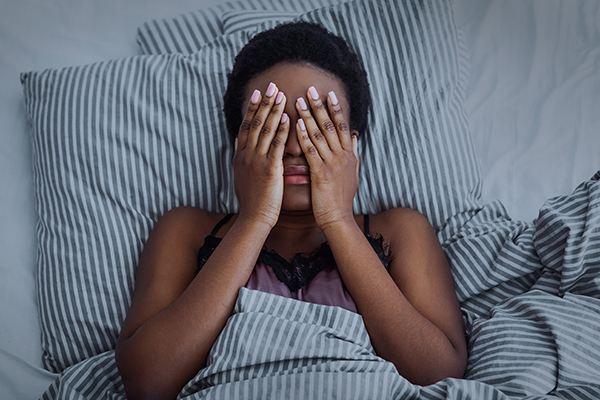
(381, 248)
(208, 247)
(303, 267)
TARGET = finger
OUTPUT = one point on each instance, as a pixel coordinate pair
(253, 105)
(355, 150)
(319, 107)
(341, 126)
(260, 117)
(308, 148)
(317, 137)
(277, 146)
(270, 127)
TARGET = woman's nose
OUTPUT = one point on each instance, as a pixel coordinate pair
(292, 146)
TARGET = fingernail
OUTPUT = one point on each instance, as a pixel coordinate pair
(279, 98)
(301, 124)
(255, 96)
(313, 93)
(333, 98)
(271, 89)
(284, 118)
(302, 103)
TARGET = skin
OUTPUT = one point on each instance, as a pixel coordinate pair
(411, 312)
(295, 222)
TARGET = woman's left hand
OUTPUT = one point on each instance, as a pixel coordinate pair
(332, 155)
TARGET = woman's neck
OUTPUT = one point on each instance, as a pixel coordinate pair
(295, 232)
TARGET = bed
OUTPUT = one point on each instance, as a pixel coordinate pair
(530, 202)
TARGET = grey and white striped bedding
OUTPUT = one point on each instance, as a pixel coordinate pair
(118, 143)
(540, 341)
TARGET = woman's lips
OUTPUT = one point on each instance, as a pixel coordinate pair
(296, 175)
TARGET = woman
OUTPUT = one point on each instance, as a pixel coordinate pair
(296, 103)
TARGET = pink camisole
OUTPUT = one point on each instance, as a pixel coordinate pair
(312, 278)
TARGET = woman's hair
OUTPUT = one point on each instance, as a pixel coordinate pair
(298, 42)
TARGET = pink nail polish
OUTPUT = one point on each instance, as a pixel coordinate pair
(284, 118)
(333, 98)
(255, 96)
(301, 124)
(270, 89)
(279, 98)
(302, 104)
(313, 93)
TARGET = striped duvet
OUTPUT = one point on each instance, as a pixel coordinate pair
(532, 307)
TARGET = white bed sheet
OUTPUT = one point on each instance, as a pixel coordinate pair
(532, 100)
(534, 96)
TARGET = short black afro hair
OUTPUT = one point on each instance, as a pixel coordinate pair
(298, 42)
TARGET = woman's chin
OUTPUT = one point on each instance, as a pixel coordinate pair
(296, 198)
(296, 206)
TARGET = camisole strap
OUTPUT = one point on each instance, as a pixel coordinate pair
(219, 224)
(366, 224)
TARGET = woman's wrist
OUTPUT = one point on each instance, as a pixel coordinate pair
(256, 225)
(343, 224)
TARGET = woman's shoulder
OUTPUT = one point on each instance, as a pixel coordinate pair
(397, 215)
(187, 213)
(398, 221)
(408, 233)
(191, 224)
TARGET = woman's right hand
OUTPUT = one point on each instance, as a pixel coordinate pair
(258, 159)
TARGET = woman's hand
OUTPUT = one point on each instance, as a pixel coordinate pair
(258, 159)
(332, 155)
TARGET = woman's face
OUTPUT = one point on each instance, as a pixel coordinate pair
(294, 80)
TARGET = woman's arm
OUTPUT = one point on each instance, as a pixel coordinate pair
(411, 313)
(175, 317)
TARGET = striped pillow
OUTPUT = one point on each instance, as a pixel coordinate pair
(188, 32)
(234, 21)
(116, 144)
